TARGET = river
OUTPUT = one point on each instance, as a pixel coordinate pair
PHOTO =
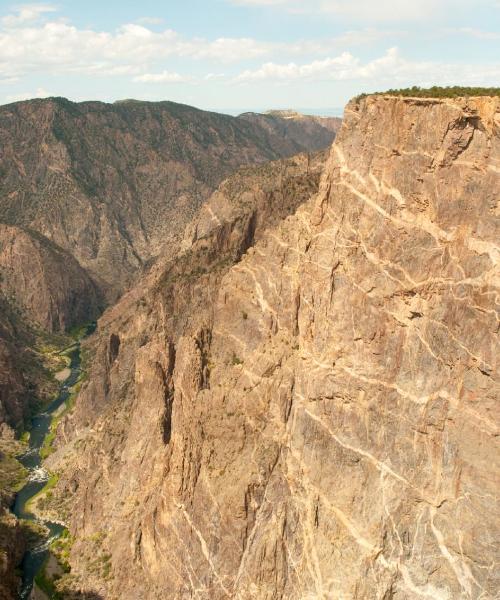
(38, 477)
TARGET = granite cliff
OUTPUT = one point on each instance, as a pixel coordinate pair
(302, 404)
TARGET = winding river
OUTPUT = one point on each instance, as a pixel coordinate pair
(38, 477)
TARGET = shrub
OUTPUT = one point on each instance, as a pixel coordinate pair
(236, 360)
(435, 91)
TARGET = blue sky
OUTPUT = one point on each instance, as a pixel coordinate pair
(234, 55)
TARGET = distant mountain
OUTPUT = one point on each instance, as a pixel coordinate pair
(316, 133)
(113, 183)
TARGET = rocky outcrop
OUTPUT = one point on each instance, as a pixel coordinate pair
(12, 548)
(44, 281)
(14, 403)
(28, 359)
(112, 184)
(315, 417)
(12, 537)
(14, 389)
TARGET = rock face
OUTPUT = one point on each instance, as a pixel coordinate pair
(46, 282)
(14, 403)
(14, 392)
(12, 538)
(12, 548)
(314, 417)
(111, 184)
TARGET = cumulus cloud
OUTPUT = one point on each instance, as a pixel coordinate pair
(391, 68)
(26, 14)
(58, 47)
(61, 47)
(163, 77)
(336, 67)
(33, 40)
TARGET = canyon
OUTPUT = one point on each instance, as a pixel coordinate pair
(114, 184)
(293, 393)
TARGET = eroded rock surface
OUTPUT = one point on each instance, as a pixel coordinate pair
(46, 283)
(316, 417)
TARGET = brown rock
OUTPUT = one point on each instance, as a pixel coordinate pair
(44, 281)
(112, 184)
(330, 395)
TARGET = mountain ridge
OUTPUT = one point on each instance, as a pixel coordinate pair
(112, 183)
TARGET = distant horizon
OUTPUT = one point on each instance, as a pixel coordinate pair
(232, 111)
(323, 53)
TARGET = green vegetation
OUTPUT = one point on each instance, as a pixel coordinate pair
(437, 92)
(66, 354)
(44, 496)
(40, 364)
(236, 360)
(47, 447)
(61, 548)
(80, 331)
(12, 473)
(47, 582)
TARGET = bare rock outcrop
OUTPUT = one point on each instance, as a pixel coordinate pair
(44, 281)
(316, 417)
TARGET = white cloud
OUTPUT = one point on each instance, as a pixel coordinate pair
(30, 42)
(363, 10)
(214, 76)
(40, 93)
(260, 2)
(330, 68)
(26, 14)
(60, 48)
(163, 77)
(390, 70)
(54, 46)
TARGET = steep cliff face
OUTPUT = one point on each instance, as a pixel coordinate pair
(111, 184)
(44, 281)
(316, 417)
(14, 389)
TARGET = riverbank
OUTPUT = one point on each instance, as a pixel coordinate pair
(45, 562)
(13, 476)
